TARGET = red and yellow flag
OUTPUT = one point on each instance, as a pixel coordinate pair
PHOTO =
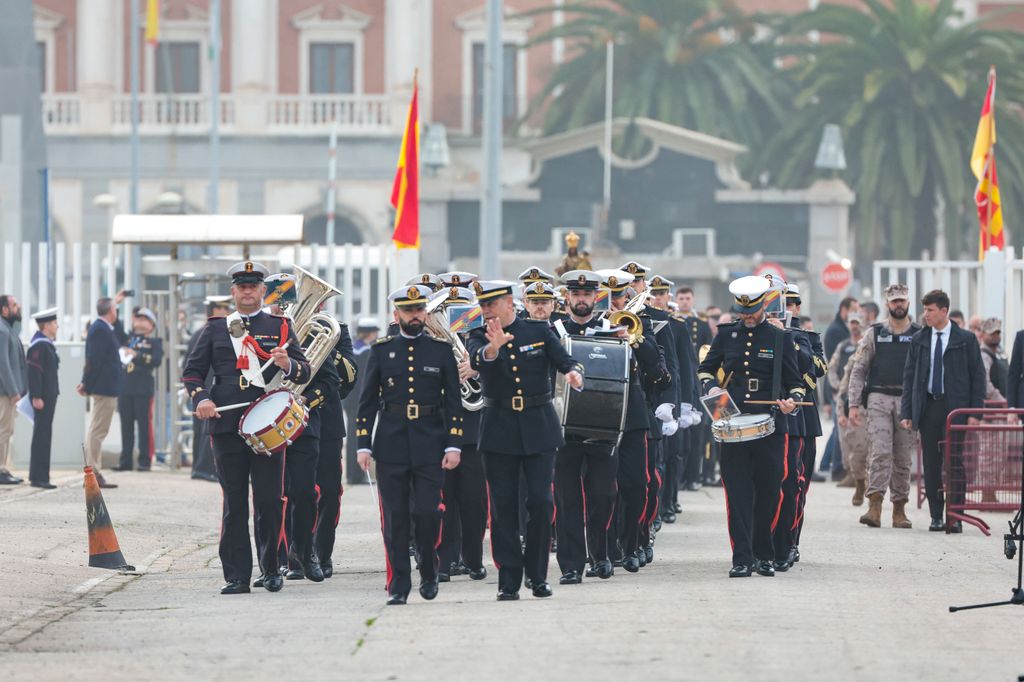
(152, 21)
(983, 165)
(405, 193)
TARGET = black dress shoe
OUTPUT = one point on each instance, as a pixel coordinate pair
(603, 569)
(782, 566)
(428, 589)
(794, 555)
(956, 527)
(527, 583)
(712, 482)
(817, 477)
(443, 578)
(541, 590)
(739, 572)
(273, 582)
(204, 477)
(45, 485)
(591, 571)
(7, 479)
(937, 525)
(507, 595)
(570, 578)
(648, 554)
(235, 587)
(631, 563)
(617, 563)
(103, 482)
(677, 508)
(258, 582)
(311, 567)
(397, 600)
(142, 468)
(657, 524)
(641, 557)
(764, 567)
(294, 574)
(458, 568)
(327, 568)
(668, 516)
(477, 573)
(121, 467)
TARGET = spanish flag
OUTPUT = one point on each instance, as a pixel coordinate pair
(152, 21)
(983, 165)
(405, 193)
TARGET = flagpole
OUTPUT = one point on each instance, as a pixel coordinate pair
(133, 196)
(991, 156)
(490, 204)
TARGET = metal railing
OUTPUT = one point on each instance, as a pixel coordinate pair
(318, 113)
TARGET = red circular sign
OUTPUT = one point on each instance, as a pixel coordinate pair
(770, 268)
(835, 277)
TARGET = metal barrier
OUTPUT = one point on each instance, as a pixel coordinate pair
(982, 464)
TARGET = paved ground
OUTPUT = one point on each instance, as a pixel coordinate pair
(863, 604)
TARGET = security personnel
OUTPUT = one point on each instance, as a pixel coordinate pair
(759, 364)
(236, 348)
(465, 488)
(876, 382)
(43, 389)
(202, 451)
(519, 432)
(412, 383)
(135, 404)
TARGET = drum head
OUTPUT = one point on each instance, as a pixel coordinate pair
(741, 420)
(265, 411)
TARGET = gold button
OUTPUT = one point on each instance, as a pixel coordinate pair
(748, 343)
(747, 396)
(517, 380)
(519, 391)
(411, 368)
(747, 372)
(410, 358)
(746, 352)
(412, 390)
(412, 348)
(512, 356)
(750, 333)
(410, 380)
(745, 363)
(514, 368)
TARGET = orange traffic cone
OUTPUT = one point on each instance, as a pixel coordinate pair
(104, 552)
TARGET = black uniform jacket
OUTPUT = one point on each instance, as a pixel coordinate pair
(213, 350)
(413, 383)
(332, 383)
(747, 356)
(42, 364)
(149, 353)
(522, 368)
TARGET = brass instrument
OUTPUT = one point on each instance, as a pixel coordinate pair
(437, 326)
(317, 332)
(703, 353)
(629, 317)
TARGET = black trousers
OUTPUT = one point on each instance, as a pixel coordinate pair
(933, 430)
(654, 456)
(511, 559)
(752, 478)
(793, 496)
(674, 459)
(808, 455)
(136, 409)
(709, 456)
(329, 489)
(236, 465)
(585, 488)
(202, 451)
(465, 512)
(300, 466)
(42, 438)
(408, 491)
(699, 435)
(632, 479)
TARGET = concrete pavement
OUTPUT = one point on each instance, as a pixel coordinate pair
(863, 603)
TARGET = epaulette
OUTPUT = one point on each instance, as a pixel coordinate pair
(436, 339)
(280, 317)
(382, 340)
(877, 325)
(533, 321)
(732, 323)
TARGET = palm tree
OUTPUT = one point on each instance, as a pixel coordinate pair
(692, 63)
(905, 80)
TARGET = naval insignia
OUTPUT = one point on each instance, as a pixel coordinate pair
(391, 355)
(391, 382)
(413, 293)
(613, 281)
(478, 288)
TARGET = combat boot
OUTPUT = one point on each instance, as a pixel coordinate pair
(858, 492)
(873, 517)
(899, 515)
(847, 482)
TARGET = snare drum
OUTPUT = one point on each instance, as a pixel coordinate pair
(273, 422)
(743, 427)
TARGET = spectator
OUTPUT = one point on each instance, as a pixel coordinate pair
(957, 316)
(975, 326)
(714, 315)
(994, 359)
(1015, 375)
(102, 381)
(869, 313)
(944, 372)
(135, 404)
(837, 332)
(202, 451)
(13, 381)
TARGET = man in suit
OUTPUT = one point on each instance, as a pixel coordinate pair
(943, 372)
(12, 381)
(519, 432)
(102, 381)
(43, 390)
(135, 404)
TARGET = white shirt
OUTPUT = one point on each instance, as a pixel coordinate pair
(931, 354)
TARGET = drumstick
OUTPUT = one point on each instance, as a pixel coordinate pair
(772, 402)
(373, 491)
(728, 377)
(228, 408)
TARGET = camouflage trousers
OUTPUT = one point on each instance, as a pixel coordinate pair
(891, 448)
(853, 441)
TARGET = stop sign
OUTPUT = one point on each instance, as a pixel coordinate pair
(835, 277)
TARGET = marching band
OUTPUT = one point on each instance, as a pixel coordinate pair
(557, 412)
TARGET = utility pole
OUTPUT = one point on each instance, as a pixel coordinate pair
(133, 198)
(490, 203)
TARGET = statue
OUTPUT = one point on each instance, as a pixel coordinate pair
(573, 260)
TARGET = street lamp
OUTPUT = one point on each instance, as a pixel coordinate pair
(436, 154)
(830, 150)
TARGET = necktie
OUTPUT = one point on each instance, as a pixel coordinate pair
(937, 366)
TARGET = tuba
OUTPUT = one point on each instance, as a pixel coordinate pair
(437, 326)
(317, 332)
(629, 317)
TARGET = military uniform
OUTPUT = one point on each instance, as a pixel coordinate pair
(236, 462)
(202, 451)
(698, 463)
(135, 404)
(43, 364)
(853, 438)
(519, 432)
(753, 471)
(411, 393)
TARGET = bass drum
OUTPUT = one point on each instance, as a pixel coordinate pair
(598, 412)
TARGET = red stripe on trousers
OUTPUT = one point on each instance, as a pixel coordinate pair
(785, 475)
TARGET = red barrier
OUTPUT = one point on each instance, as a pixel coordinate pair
(982, 463)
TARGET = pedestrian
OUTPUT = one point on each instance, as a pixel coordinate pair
(13, 381)
(944, 372)
(145, 353)
(996, 365)
(836, 333)
(203, 467)
(102, 381)
(957, 316)
(853, 438)
(869, 313)
(43, 389)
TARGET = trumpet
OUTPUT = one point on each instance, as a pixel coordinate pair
(629, 317)
(437, 325)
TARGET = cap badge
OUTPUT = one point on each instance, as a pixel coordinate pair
(413, 293)
(478, 288)
(613, 281)
(248, 266)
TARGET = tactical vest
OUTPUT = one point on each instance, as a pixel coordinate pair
(999, 372)
(848, 349)
(886, 375)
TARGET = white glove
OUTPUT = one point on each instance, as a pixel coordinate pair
(685, 420)
(695, 416)
(669, 428)
(664, 412)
